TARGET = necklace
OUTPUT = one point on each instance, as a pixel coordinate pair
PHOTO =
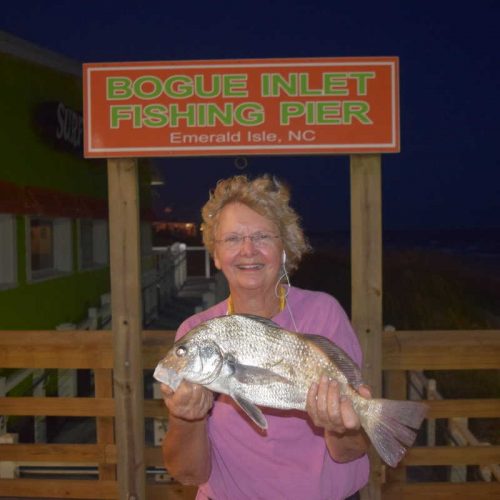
(282, 297)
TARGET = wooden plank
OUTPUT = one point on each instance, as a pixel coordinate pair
(441, 350)
(452, 455)
(54, 337)
(69, 407)
(155, 408)
(441, 491)
(66, 453)
(401, 350)
(126, 311)
(53, 349)
(73, 407)
(366, 280)
(171, 491)
(74, 349)
(40, 488)
(105, 427)
(471, 408)
(158, 338)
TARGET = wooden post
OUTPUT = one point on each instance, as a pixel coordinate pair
(366, 282)
(395, 388)
(127, 326)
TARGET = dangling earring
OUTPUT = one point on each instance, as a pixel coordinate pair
(282, 292)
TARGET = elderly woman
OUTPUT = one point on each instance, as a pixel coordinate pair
(255, 238)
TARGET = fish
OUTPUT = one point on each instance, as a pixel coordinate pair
(258, 363)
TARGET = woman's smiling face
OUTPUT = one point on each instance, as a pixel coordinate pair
(248, 249)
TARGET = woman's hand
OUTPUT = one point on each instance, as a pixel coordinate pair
(344, 437)
(189, 401)
(331, 411)
(186, 447)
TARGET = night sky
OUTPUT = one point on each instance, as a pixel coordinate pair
(447, 174)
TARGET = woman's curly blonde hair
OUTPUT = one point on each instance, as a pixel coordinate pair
(268, 197)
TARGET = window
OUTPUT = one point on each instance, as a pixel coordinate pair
(86, 244)
(49, 247)
(93, 237)
(8, 251)
(42, 245)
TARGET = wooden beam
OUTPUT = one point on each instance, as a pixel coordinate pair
(470, 408)
(63, 407)
(155, 408)
(366, 263)
(53, 349)
(127, 325)
(452, 455)
(366, 282)
(401, 350)
(41, 488)
(441, 350)
(442, 491)
(171, 491)
(66, 453)
(74, 349)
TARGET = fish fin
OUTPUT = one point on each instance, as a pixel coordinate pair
(251, 410)
(252, 375)
(339, 357)
(393, 430)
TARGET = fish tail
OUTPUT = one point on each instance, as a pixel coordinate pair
(392, 426)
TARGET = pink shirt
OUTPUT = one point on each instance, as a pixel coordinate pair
(290, 461)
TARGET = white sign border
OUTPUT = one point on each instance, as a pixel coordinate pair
(221, 149)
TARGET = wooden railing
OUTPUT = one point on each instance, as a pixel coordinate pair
(442, 350)
(457, 428)
(402, 351)
(78, 350)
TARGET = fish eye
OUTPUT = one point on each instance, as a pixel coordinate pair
(181, 351)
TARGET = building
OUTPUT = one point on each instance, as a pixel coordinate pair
(54, 261)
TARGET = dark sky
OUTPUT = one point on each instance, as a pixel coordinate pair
(447, 174)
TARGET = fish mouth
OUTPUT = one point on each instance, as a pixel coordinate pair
(167, 376)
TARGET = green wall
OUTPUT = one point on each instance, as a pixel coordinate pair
(45, 304)
(27, 159)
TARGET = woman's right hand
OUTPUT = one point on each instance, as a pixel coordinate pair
(189, 401)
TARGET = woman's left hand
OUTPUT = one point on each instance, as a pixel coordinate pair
(328, 409)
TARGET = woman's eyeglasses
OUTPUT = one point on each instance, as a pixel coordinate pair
(259, 240)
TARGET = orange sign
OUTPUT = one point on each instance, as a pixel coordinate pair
(241, 107)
